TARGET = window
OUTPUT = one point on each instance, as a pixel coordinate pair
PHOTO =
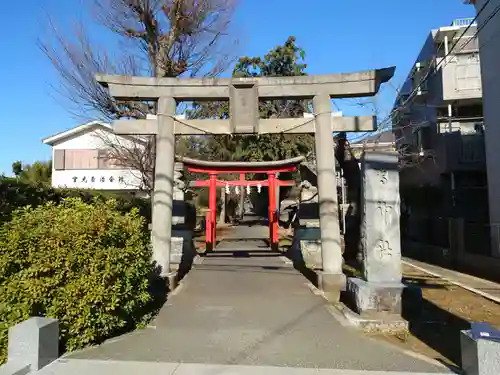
(85, 159)
(106, 160)
(58, 160)
(80, 159)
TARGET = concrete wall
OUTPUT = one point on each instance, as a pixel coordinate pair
(461, 78)
(489, 42)
(104, 179)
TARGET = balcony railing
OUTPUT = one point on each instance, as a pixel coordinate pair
(472, 150)
(463, 22)
(464, 151)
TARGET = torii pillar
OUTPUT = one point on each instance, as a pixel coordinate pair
(163, 191)
(332, 278)
(244, 95)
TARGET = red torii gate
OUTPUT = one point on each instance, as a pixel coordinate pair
(213, 168)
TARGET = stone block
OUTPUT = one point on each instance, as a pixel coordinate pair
(35, 342)
(479, 357)
(380, 216)
(375, 299)
(182, 241)
(285, 209)
(309, 194)
(307, 242)
(178, 212)
(178, 195)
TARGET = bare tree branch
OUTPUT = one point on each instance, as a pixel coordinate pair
(135, 153)
(162, 38)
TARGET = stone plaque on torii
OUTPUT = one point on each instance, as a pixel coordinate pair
(243, 95)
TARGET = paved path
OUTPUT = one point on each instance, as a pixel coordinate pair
(254, 311)
(486, 288)
(85, 367)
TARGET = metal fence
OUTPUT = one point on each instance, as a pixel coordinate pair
(474, 236)
(429, 230)
(477, 238)
(464, 22)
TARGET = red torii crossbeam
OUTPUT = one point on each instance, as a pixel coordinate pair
(213, 168)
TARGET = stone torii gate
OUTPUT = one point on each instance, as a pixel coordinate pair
(243, 95)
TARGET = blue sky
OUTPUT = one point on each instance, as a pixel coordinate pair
(337, 35)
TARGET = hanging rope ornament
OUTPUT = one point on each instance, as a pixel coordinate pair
(248, 189)
(227, 189)
(259, 188)
(236, 190)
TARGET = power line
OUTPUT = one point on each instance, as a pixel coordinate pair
(432, 69)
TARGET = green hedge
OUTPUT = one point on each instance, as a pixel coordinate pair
(15, 194)
(86, 264)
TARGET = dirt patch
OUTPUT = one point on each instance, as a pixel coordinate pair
(436, 321)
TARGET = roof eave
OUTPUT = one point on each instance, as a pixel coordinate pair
(53, 139)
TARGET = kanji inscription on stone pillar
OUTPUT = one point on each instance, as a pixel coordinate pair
(383, 176)
(383, 250)
(385, 211)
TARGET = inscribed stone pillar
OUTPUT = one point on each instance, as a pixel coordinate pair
(380, 289)
(332, 279)
(380, 236)
(163, 185)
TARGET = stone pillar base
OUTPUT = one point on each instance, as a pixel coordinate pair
(331, 285)
(375, 300)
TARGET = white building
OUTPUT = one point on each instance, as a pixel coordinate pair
(80, 159)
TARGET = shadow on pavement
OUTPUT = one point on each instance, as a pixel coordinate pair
(188, 254)
(300, 265)
(437, 328)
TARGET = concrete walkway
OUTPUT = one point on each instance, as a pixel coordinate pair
(485, 288)
(251, 311)
(85, 367)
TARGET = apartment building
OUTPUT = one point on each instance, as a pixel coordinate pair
(488, 35)
(438, 121)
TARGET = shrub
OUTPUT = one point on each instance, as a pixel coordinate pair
(87, 265)
(15, 194)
